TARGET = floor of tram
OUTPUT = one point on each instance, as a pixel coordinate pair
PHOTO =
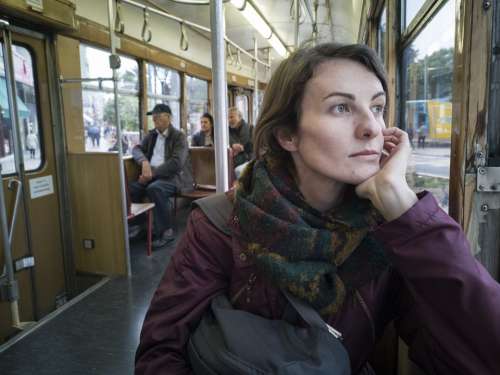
(100, 333)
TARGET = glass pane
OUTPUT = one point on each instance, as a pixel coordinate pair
(428, 63)
(382, 28)
(29, 131)
(197, 103)
(174, 105)
(242, 104)
(411, 9)
(99, 121)
(95, 64)
(197, 89)
(163, 82)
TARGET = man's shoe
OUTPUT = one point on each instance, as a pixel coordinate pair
(163, 241)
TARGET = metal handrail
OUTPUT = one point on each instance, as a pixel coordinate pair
(195, 26)
(16, 204)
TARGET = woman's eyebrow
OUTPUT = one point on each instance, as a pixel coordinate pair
(351, 96)
(380, 93)
(336, 93)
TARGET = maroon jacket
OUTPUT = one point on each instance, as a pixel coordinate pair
(445, 304)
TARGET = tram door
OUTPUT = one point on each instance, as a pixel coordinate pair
(27, 155)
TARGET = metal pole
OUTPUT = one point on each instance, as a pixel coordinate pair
(256, 84)
(220, 94)
(13, 292)
(114, 63)
(425, 77)
(315, 24)
(297, 10)
(11, 284)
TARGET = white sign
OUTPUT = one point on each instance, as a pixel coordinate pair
(35, 5)
(41, 186)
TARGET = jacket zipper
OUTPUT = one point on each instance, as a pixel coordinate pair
(367, 312)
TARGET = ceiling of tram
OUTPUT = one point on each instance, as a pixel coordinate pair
(337, 20)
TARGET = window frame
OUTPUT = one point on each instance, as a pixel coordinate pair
(109, 90)
(160, 97)
(41, 135)
(187, 100)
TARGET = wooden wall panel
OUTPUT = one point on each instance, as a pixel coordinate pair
(392, 61)
(97, 213)
(470, 106)
(68, 59)
(59, 14)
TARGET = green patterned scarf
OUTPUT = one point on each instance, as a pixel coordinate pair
(318, 257)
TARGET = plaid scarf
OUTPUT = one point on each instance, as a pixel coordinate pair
(318, 257)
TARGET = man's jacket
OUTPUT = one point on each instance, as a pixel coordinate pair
(176, 167)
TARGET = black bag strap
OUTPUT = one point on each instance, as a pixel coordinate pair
(218, 209)
(309, 315)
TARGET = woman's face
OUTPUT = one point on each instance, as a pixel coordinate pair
(205, 125)
(339, 137)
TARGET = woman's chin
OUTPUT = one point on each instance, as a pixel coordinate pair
(363, 174)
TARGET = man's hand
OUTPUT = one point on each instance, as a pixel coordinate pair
(237, 148)
(147, 173)
(388, 189)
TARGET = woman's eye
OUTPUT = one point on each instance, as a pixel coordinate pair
(340, 108)
(378, 109)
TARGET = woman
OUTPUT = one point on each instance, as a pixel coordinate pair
(326, 214)
(205, 137)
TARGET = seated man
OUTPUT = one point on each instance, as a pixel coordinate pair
(239, 137)
(165, 168)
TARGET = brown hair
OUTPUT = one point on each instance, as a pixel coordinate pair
(281, 106)
(211, 121)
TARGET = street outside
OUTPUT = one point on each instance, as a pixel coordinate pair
(429, 169)
(431, 161)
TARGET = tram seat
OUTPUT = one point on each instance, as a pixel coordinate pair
(203, 164)
(136, 209)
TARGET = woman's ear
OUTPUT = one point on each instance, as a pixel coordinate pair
(286, 139)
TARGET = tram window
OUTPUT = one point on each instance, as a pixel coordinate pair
(428, 66)
(381, 33)
(164, 86)
(197, 103)
(241, 102)
(99, 104)
(29, 131)
(411, 9)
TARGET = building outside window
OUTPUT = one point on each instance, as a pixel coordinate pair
(29, 131)
(98, 101)
(164, 86)
(196, 103)
(427, 103)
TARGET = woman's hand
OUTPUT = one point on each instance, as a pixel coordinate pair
(388, 189)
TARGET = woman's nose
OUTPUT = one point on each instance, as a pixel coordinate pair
(368, 126)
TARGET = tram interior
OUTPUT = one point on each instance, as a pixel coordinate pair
(74, 287)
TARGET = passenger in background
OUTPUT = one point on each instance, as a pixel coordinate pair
(205, 137)
(165, 168)
(325, 214)
(124, 144)
(239, 137)
(32, 143)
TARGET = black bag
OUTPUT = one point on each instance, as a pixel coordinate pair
(230, 341)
